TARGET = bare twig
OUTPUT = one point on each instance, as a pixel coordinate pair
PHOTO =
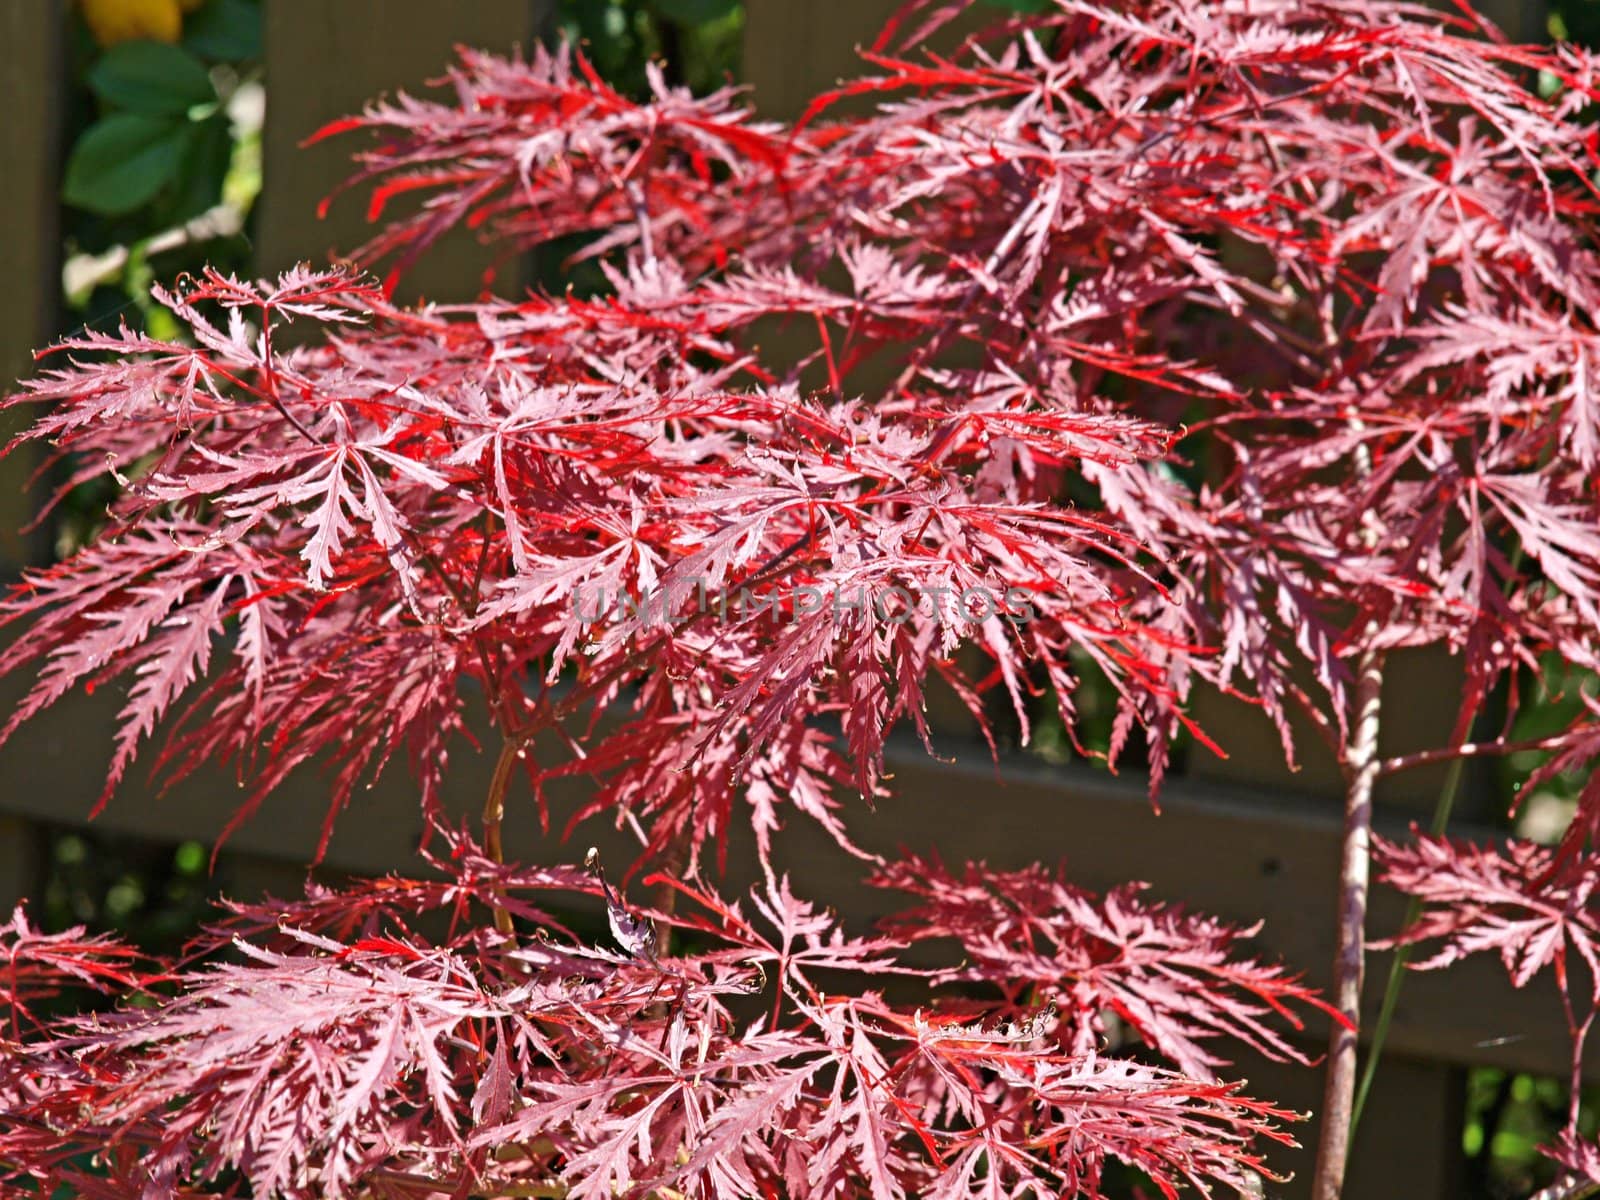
(1425, 758)
(641, 215)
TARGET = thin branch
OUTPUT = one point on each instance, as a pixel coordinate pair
(269, 376)
(1425, 758)
(641, 216)
(412, 1182)
(1578, 1031)
(512, 750)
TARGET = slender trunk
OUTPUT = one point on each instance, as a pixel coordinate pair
(1349, 960)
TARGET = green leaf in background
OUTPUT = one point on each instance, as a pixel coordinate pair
(1022, 6)
(200, 176)
(122, 161)
(695, 12)
(151, 78)
(225, 31)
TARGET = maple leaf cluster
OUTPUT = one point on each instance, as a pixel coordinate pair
(1177, 342)
(337, 1050)
(1535, 912)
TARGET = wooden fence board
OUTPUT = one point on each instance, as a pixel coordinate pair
(30, 254)
(19, 866)
(793, 51)
(328, 60)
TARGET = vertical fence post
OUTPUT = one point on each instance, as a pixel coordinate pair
(325, 61)
(31, 33)
(31, 36)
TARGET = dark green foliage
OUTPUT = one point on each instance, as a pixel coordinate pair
(696, 41)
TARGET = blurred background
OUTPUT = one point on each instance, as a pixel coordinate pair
(145, 138)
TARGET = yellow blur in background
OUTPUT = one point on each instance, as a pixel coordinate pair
(113, 21)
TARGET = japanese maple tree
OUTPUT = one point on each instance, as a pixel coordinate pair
(1233, 346)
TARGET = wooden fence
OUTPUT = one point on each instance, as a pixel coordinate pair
(1240, 838)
